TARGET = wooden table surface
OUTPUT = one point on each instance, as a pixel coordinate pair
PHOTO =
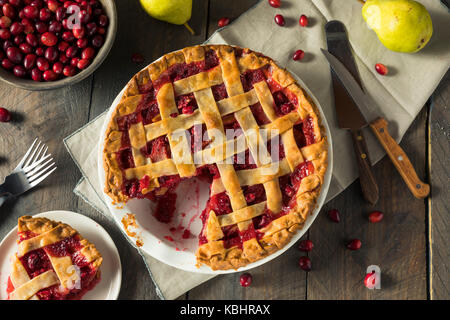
(410, 245)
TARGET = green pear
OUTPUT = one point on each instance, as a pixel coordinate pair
(172, 11)
(401, 25)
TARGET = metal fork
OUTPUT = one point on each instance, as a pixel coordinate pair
(34, 167)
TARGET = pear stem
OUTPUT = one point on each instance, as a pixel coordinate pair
(362, 1)
(189, 28)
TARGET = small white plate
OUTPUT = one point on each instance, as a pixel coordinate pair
(111, 270)
(164, 241)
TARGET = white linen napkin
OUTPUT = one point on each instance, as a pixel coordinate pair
(398, 97)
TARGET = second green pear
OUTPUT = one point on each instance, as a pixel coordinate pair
(401, 25)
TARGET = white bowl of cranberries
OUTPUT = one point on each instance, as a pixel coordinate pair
(47, 44)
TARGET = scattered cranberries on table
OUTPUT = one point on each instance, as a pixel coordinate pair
(370, 280)
(137, 58)
(298, 55)
(5, 115)
(306, 245)
(303, 21)
(40, 39)
(245, 279)
(275, 3)
(279, 20)
(334, 215)
(354, 244)
(375, 216)
(223, 22)
(381, 69)
(305, 263)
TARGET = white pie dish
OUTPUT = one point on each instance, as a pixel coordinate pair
(111, 269)
(154, 237)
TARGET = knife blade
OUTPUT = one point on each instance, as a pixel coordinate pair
(348, 114)
(379, 127)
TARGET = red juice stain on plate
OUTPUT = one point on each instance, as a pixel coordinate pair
(169, 238)
(186, 234)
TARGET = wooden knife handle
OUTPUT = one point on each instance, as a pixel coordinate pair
(401, 161)
(367, 180)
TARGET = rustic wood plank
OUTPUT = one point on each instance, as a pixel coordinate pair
(137, 33)
(278, 279)
(397, 244)
(51, 116)
(439, 229)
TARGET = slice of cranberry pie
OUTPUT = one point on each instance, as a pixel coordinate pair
(232, 116)
(53, 262)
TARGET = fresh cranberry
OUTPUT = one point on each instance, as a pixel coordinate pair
(375, 216)
(245, 279)
(97, 41)
(137, 58)
(39, 51)
(51, 54)
(63, 59)
(84, 16)
(83, 63)
(58, 67)
(103, 20)
(223, 22)
(41, 27)
(19, 71)
(298, 55)
(31, 12)
(354, 244)
(370, 280)
(15, 3)
(275, 3)
(79, 33)
(306, 245)
(334, 215)
(55, 27)
(305, 263)
(45, 14)
(303, 21)
(14, 55)
(381, 69)
(32, 40)
(62, 46)
(25, 48)
(37, 3)
(88, 53)
(5, 115)
(69, 71)
(101, 30)
(5, 22)
(36, 74)
(9, 11)
(29, 61)
(71, 52)
(60, 13)
(74, 61)
(7, 44)
(42, 64)
(52, 5)
(5, 34)
(7, 64)
(82, 43)
(279, 20)
(19, 39)
(16, 28)
(28, 26)
(68, 36)
(91, 29)
(49, 75)
(49, 39)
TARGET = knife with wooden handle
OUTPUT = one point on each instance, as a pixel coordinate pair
(379, 125)
(348, 115)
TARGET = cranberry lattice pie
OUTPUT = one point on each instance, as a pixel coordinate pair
(53, 262)
(173, 123)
